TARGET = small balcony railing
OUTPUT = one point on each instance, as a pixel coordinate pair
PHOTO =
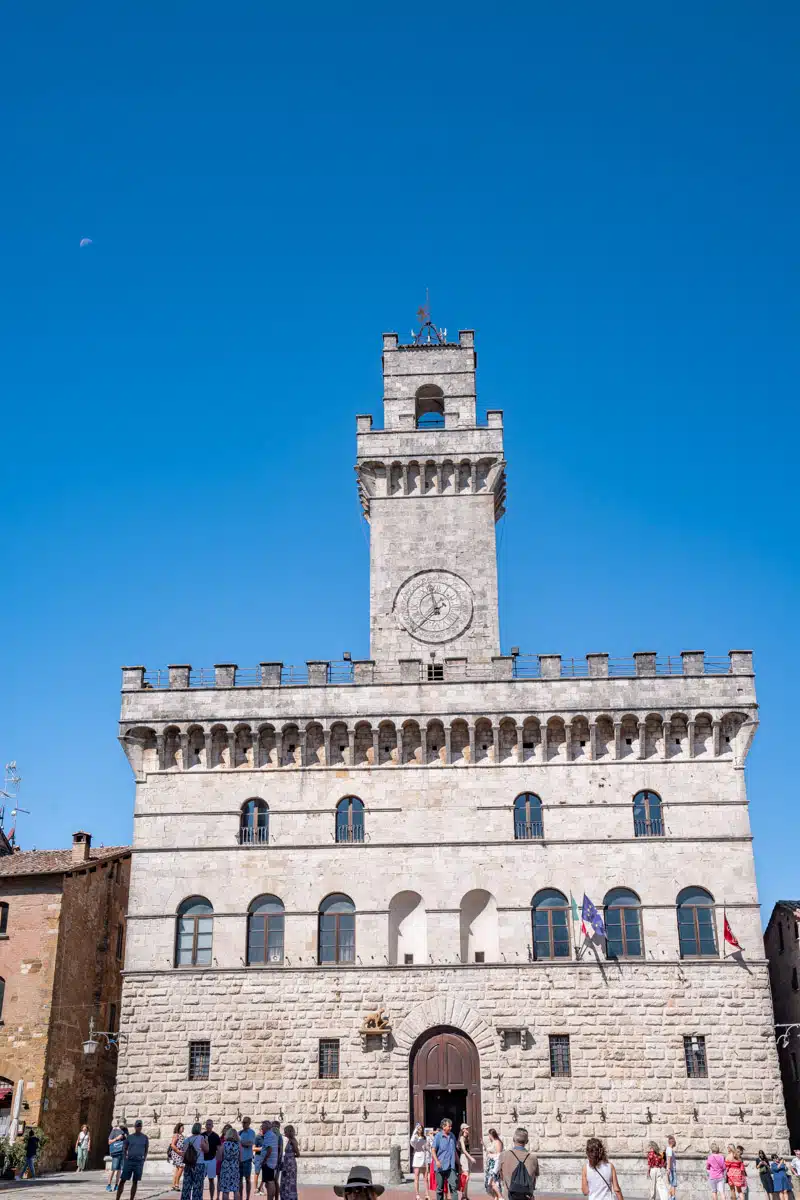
(250, 836)
(350, 833)
(528, 831)
(648, 828)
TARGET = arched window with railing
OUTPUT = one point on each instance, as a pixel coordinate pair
(429, 407)
(194, 933)
(528, 822)
(697, 936)
(350, 820)
(254, 823)
(265, 925)
(648, 819)
(337, 929)
(550, 923)
(623, 920)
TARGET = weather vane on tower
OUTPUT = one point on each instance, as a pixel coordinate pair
(428, 334)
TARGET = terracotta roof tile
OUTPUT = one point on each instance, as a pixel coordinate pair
(53, 862)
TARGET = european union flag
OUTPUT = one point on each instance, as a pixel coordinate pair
(592, 924)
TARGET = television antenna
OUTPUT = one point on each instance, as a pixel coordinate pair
(10, 792)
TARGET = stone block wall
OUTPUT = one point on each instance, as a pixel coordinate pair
(626, 1025)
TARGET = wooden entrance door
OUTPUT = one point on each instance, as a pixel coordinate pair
(446, 1061)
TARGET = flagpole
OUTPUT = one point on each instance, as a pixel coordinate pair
(724, 927)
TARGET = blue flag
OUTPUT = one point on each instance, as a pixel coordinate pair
(592, 924)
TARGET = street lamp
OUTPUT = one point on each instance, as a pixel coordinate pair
(109, 1036)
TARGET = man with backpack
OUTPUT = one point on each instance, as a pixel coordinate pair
(519, 1168)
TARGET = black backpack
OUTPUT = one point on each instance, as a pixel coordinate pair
(190, 1155)
(521, 1185)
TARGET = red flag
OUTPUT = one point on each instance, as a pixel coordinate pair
(728, 932)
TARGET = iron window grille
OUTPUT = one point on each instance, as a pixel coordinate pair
(648, 818)
(329, 1058)
(350, 820)
(199, 1060)
(560, 1065)
(435, 672)
(694, 1051)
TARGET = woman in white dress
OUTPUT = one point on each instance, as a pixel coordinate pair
(419, 1159)
(599, 1179)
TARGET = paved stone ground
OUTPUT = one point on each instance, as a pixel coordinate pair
(90, 1185)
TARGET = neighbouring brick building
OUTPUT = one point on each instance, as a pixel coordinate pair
(782, 946)
(351, 900)
(62, 939)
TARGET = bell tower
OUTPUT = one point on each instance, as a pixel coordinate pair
(432, 486)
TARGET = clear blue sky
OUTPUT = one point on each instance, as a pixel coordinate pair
(608, 194)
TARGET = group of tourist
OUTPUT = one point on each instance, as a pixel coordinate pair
(442, 1162)
(232, 1161)
(235, 1161)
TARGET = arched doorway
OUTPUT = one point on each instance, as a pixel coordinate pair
(446, 1082)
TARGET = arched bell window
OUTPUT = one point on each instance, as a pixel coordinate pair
(337, 929)
(623, 920)
(350, 820)
(194, 934)
(550, 921)
(696, 933)
(254, 823)
(265, 923)
(429, 407)
(647, 816)
(528, 823)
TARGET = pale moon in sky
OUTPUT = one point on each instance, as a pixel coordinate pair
(85, 242)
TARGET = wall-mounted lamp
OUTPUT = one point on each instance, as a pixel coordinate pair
(364, 1113)
(649, 1116)
(602, 1114)
(559, 1115)
(322, 1112)
(514, 1114)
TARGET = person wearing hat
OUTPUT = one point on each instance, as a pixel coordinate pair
(359, 1185)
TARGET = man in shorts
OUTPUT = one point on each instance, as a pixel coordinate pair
(213, 1140)
(269, 1157)
(247, 1139)
(116, 1148)
(136, 1149)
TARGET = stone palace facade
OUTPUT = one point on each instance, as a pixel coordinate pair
(354, 885)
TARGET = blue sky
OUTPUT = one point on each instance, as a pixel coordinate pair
(607, 194)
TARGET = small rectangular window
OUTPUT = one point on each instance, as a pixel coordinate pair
(480, 956)
(408, 960)
(199, 1060)
(3, 917)
(120, 939)
(694, 1050)
(329, 1058)
(112, 1018)
(793, 1062)
(435, 671)
(560, 1066)
(780, 938)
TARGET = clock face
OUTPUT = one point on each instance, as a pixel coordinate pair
(434, 606)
